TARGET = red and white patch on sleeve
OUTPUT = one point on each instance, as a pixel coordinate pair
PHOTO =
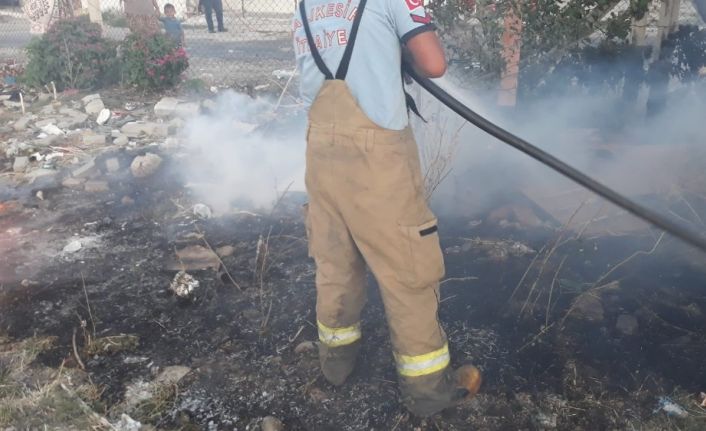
(414, 4)
(426, 19)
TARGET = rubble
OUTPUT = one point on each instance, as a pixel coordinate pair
(73, 183)
(202, 211)
(73, 246)
(166, 107)
(93, 104)
(95, 186)
(183, 284)
(304, 347)
(127, 424)
(20, 164)
(22, 123)
(588, 307)
(52, 129)
(144, 166)
(86, 170)
(188, 110)
(103, 116)
(135, 129)
(271, 423)
(194, 257)
(92, 139)
(112, 165)
(627, 324)
(121, 140)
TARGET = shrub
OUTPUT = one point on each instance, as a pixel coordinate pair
(73, 54)
(114, 18)
(153, 62)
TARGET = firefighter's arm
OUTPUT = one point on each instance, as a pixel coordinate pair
(425, 53)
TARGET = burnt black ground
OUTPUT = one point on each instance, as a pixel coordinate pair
(241, 348)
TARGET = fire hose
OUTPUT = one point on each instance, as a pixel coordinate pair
(687, 235)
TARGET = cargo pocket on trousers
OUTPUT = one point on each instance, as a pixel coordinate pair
(307, 225)
(424, 260)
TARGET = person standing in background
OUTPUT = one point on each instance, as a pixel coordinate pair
(217, 6)
(141, 16)
(172, 26)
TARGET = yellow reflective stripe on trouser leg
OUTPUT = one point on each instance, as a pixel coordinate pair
(421, 365)
(334, 337)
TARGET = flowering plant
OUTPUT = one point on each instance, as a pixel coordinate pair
(153, 62)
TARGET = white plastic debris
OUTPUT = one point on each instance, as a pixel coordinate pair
(127, 424)
(280, 74)
(73, 246)
(202, 211)
(671, 408)
(52, 129)
(183, 284)
(103, 116)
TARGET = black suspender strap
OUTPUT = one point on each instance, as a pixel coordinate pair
(312, 46)
(346, 60)
(347, 54)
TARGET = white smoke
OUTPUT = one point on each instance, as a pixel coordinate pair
(237, 160)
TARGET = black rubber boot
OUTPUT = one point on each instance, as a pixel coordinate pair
(430, 394)
(337, 363)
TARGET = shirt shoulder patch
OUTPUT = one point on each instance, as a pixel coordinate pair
(414, 4)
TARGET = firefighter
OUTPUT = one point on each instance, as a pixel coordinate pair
(366, 193)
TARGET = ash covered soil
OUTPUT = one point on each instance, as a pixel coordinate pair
(599, 356)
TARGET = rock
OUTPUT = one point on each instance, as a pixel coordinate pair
(96, 186)
(94, 107)
(121, 140)
(112, 165)
(271, 423)
(194, 257)
(305, 346)
(172, 375)
(52, 129)
(546, 420)
(22, 123)
(127, 424)
(93, 139)
(166, 107)
(209, 105)
(144, 166)
(20, 164)
(588, 307)
(103, 116)
(183, 284)
(72, 118)
(188, 110)
(627, 324)
(73, 246)
(127, 200)
(90, 98)
(202, 211)
(88, 169)
(40, 173)
(73, 183)
(225, 251)
(136, 128)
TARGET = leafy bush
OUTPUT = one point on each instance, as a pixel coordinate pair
(73, 54)
(153, 62)
(114, 18)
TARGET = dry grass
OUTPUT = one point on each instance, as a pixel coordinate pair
(438, 141)
(36, 397)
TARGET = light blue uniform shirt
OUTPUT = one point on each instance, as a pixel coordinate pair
(374, 76)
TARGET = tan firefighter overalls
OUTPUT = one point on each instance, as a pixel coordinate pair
(367, 205)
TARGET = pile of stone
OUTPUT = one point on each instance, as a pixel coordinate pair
(80, 142)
